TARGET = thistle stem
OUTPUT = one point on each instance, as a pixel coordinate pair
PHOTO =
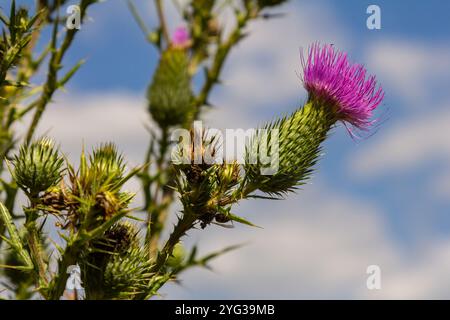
(180, 229)
(157, 215)
(58, 284)
(36, 252)
(213, 73)
(51, 84)
(34, 243)
(162, 21)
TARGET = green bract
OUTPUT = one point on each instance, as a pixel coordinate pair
(299, 138)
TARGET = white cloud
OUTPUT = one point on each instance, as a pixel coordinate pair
(407, 68)
(76, 119)
(405, 146)
(261, 73)
(424, 277)
(310, 248)
(413, 71)
(439, 185)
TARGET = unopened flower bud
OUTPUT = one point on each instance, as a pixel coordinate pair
(107, 162)
(38, 166)
(170, 95)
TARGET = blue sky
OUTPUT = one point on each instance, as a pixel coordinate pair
(382, 200)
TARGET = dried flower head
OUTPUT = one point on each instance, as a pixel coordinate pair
(120, 238)
(332, 79)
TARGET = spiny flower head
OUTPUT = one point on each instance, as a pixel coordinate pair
(332, 79)
(170, 94)
(107, 161)
(38, 166)
(180, 37)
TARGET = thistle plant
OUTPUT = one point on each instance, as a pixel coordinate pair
(121, 255)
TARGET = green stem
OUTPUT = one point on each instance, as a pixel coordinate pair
(58, 284)
(34, 244)
(51, 84)
(213, 73)
(157, 214)
(183, 225)
(162, 21)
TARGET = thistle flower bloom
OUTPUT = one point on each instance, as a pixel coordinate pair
(338, 91)
(330, 78)
(180, 37)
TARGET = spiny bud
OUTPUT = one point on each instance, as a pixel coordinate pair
(115, 264)
(38, 166)
(106, 163)
(128, 276)
(121, 237)
(197, 155)
(170, 95)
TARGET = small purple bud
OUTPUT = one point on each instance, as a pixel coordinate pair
(180, 37)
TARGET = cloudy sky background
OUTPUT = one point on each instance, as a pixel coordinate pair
(384, 200)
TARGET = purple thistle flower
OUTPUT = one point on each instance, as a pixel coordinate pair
(180, 37)
(329, 77)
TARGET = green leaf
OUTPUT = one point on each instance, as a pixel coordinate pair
(14, 240)
(241, 220)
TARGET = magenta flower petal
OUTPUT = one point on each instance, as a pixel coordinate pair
(180, 37)
(329, 77)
